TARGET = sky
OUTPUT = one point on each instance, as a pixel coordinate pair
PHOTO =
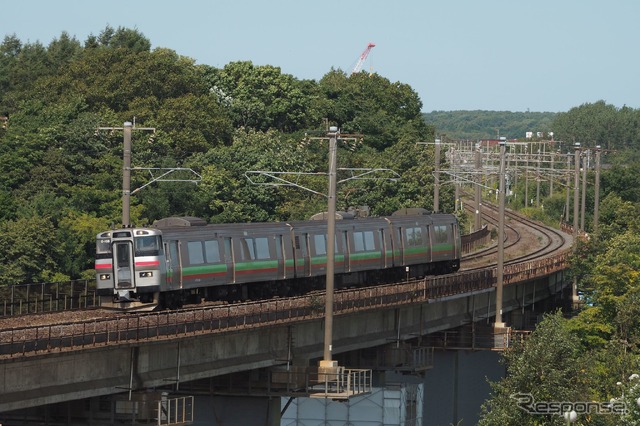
(494, 55)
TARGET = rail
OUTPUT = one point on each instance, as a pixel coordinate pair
(20, 299)
(175, 411)
(337, 383)
(24, 341)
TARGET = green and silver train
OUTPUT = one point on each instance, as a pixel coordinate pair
(182, 260)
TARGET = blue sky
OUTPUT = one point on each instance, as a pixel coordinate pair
(501, 55)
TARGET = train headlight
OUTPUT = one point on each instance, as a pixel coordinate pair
(105, 276)
(147, 274)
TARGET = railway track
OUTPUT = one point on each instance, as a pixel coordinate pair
(525, 239)
(527, 243)
(55, 334)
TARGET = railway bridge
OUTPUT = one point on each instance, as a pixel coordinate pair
(265, 348)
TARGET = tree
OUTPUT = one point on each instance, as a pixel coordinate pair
(28, 249)
(598, 124)
(546, 366)
(373, 106)
(78, 232)
(263, 98)
(122, 38)
(193, 124)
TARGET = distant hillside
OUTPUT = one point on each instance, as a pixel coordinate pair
(489, 124)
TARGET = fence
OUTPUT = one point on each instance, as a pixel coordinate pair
(20, 299)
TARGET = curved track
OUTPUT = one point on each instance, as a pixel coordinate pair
(526, 241)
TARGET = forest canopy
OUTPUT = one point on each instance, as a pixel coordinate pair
(61, 176)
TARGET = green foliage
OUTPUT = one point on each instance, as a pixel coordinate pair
(373, 106)
(77, 232)
(599, 124)
(28, 250)
(490, 124)
(547, 366)
(122, 38)
(262, 98)
(192, 124)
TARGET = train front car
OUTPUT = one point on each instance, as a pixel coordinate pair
(129, 268)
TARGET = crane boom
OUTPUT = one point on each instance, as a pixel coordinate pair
(362, 58)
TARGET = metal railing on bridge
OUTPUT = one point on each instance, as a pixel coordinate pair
(216, 319)
(18, 299)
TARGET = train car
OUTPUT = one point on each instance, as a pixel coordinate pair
(130, 267)
(181, 260)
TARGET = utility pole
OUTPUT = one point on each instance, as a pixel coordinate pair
(596, 206)
(127, 129)
(126, 167)
(331, 235)
(500, 267)
(583, 201)
(436, 185)
(327, 365)
(568, 194)
(576, 191)
(126, 175)
(478, 196)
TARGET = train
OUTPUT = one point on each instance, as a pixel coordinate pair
(181, 260)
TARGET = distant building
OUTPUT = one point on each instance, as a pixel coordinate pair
(539, 135)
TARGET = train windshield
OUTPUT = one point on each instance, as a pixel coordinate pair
(103, 248)
(148, 245)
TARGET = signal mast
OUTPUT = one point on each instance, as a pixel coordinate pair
(363, 56)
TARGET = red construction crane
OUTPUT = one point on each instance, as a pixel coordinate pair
(363, 56)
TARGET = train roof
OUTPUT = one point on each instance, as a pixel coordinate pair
(189, 224)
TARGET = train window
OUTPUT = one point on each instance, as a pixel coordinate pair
(255, 248)
(196, 255)
(364, 241)
(320, 242)
(441, 234)
(122, 255)
(212, 251)
(247, 251)
(414, 237)
(147, 246)
(418, 236)
(369, 241)
(103, 245)
(358, 241)
(278, 246)
(262, 248)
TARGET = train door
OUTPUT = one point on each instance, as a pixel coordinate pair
(457, 249)
(123, 264)
(383, 249)
(280, 257)
(174, 266)
(399, 249)
(346, 250)
(301, 247)
(228, 260)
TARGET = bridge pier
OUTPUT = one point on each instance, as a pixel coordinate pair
(101, 374)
